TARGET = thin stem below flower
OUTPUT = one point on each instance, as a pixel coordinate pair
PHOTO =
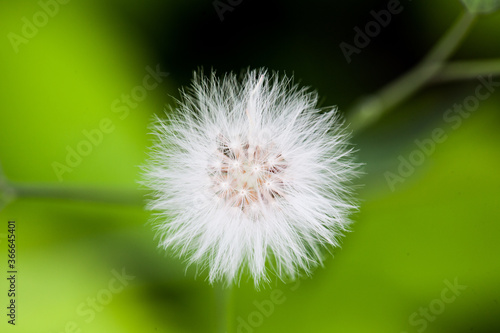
(224, 300)
(371, 108)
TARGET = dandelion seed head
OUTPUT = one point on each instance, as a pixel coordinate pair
(249, 177)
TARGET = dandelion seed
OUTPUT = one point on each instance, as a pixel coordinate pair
(251, 177)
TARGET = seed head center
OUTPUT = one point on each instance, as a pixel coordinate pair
(246, 175)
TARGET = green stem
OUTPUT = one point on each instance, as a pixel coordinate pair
(225, 315)
(371, 108)
(13, 190)
(76, 193)
(464, 70)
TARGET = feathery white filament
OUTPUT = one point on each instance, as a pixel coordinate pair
(250, 177)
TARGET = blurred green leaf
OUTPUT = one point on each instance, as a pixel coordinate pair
(481, 6)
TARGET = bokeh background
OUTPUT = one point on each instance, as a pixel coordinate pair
(440, 226)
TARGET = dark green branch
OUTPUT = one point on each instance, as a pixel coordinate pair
(371, 108)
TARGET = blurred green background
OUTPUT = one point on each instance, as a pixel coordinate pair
(409, 243)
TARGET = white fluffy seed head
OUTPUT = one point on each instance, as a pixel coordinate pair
(249, 176)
